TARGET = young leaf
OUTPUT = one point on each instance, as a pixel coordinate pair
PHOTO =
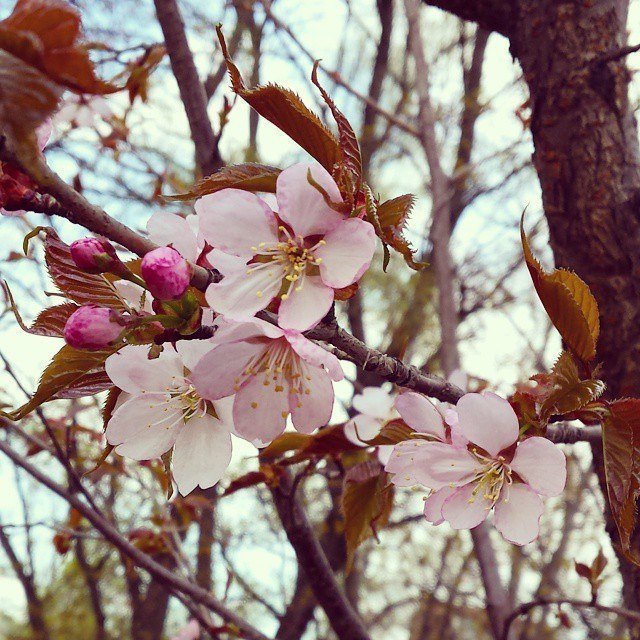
(81, 287)
(392, 433)
(568, 302)
(63, 376)
(286, 111)
(40, 57)
(621, 440)
(367, 499)
(393, 216)
(249, 177)
(50, 322)
(569, 392)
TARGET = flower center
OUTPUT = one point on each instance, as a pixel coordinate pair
(287, 260)
(181, 403)
(490, 478)
(281, 367)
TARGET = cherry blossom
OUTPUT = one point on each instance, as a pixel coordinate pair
(94, 255)
(191, 631)
(163, 411)
(92, 327)
(493, 471)
(375, 406)
(273, 373)
(300, 257)
(82, 111)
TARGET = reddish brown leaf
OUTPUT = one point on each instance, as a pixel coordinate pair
(568, 302)
(621, 439)
(367, 500)
(50, 322)
(286, 111)
(249, 177)
(81, 287)
(391, 433)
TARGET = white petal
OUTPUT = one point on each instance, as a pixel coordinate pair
(305, 308)
(170, 229)
(517, 514)
(374, 401)
(201, 454)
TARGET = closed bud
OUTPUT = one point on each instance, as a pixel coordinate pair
(93, 328)
(94, 255)
(166, 273)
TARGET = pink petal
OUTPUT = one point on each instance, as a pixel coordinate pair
(305, 308)
(131, 370)
(234, 221)
(259, 412)
(314, 354)
(384, 452)
(145, 427)
(420, 414)
(312, 409)
(542, 465)
(518, 517)
(302, 205)
(488, 421)
(463, 510)
(241, 295)
(433, 464)
(220, 372)
(362, 428)
(347, 253)
(374, 401)
(191, 351)
(170, 229)
(134, 295)
(201, 454)
(226, 263)
(433, 504)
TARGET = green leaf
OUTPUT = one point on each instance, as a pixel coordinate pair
(367, 500)
(71, 373)
(568, 302)
(621, 440)
(81, 287)
(286, 111)
(249, 177)
(569, 393)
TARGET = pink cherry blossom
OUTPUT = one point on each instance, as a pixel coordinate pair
(300, 258)
(166, 273)
(92, 327)
(493, 471)
(94, 255)
(375, 407)
(191, 631)
(163, 411)
(273, 373)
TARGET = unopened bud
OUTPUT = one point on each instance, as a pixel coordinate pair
(94, 255)
(166, 273)
(92, 327)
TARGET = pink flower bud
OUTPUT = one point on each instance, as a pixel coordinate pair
(92, 327)
(94, 255)
(166, 273)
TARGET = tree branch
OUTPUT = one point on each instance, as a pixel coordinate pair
(330, 596)
(493, 15)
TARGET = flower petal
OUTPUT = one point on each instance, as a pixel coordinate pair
(384, 452)
(201, 454)
(220, 371)
(433, 504)
(362, 428)
(145, 427)
(226, 263)
(312, 409)
(314, 354)
(420, 414)
(518, 517)
(170, 229)
(488, 421)
(191, 351)
(301, 205)
(433, 464)
(134, 295)
(374, 401)
(347, 253)
(241, 295)
(463, 510)
(234, 221)
(131, 370)
(305, 308)
(542, 465)
(259, 412)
